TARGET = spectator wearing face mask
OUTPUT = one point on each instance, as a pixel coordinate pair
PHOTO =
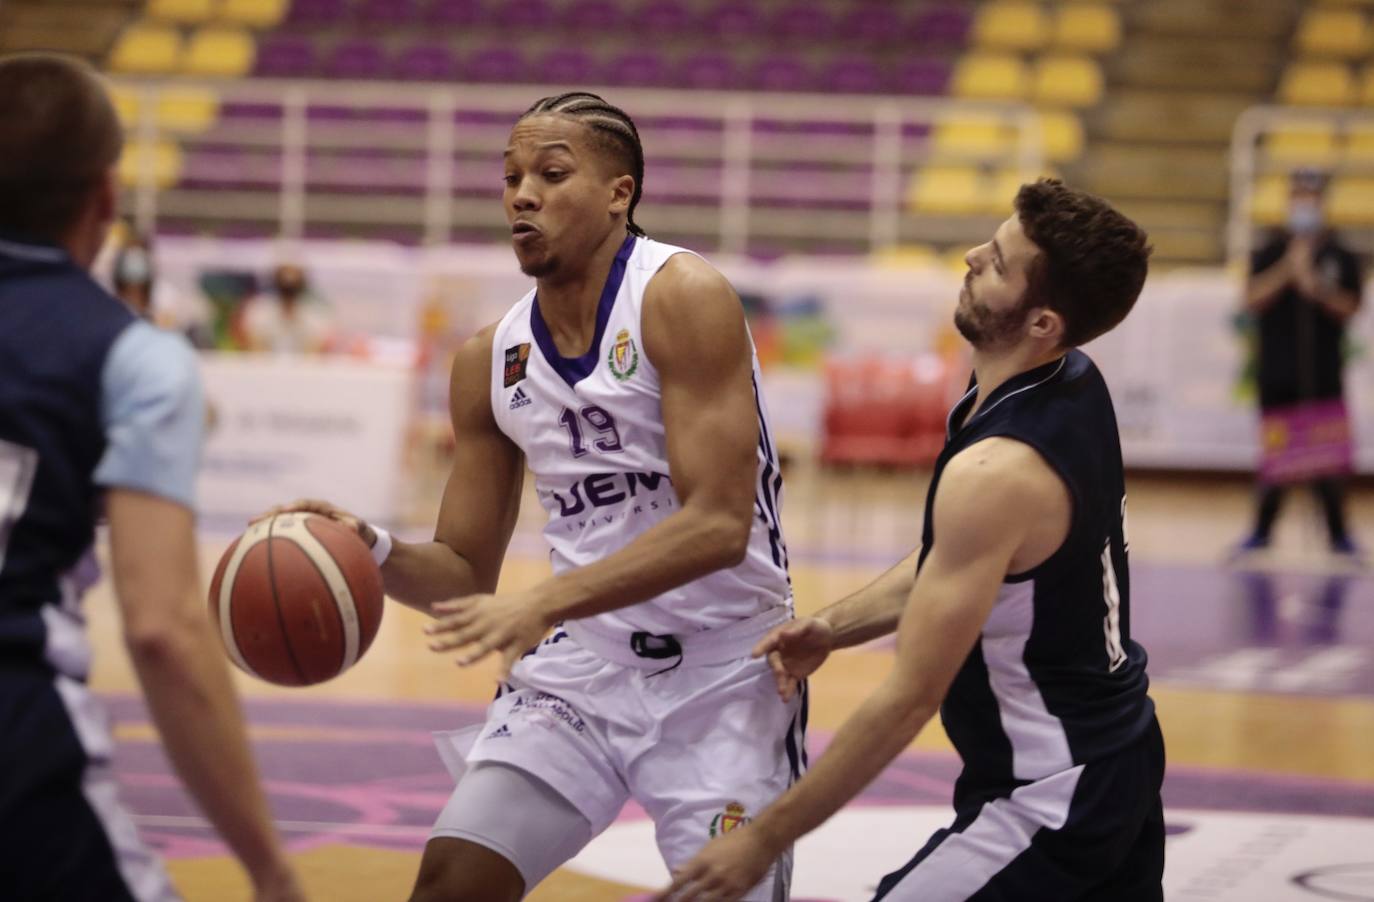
(290, 322)
(1304, 287)
(133, 276)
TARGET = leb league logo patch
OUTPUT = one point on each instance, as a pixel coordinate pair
(517, 361)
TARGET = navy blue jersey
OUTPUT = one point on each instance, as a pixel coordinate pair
(89, 398)
(1055, 680)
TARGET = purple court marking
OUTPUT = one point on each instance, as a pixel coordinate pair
(372, 777)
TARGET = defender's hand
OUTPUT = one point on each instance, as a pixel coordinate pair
(795, 650)
(507, 624)
(727, 868)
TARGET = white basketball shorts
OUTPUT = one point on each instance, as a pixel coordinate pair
(702, 746)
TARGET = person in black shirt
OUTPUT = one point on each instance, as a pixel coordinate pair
(1304, 287)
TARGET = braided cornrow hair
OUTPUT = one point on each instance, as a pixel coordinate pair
(611, 126)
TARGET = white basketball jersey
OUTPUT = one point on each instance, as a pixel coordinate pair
(592, 432)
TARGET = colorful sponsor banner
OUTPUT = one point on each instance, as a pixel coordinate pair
(1305, 441)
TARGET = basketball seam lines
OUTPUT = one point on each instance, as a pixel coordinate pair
(276, 603)
(344, 662)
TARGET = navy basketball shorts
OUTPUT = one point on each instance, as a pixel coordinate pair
(1094, 833)
(63, 833)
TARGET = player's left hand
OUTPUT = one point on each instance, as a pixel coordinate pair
(509, 625)
(727, 868)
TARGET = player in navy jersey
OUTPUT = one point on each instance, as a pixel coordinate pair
(97, 410)
(627, 383)
(1014, 617)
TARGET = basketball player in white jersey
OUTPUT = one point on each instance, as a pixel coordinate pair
(627, 382)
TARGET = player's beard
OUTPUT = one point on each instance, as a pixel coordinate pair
(985, 328)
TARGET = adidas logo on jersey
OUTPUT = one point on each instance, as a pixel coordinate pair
(520, 399)
(501, 732)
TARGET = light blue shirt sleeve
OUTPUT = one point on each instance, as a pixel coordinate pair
(153, 413)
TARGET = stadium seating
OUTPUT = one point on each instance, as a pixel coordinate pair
(187, 12)
(1317, 84)
(990, 76)
(256, 14)
(1341, 33)
(1012, 24)
(1087, 27)
(147, 50)
(219, 52)
(1071, 81)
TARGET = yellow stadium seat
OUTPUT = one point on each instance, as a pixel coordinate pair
(146, 50)
(187, 110)
(1001, 191)
(974, 137)
(1317, 84)
(1089, 27)
(219, 52)
(1011, 24)
(906, 256)
(947, 189)
(164, 156)
(1358, 146)
(1367, 85)
(1068, 81)
(1063, 135)
(186, 12)
(258, 14)
(1307, 143)
(990, 76)
(1351, 202)
(126, 105)
(1269, 200)
(1333, 32)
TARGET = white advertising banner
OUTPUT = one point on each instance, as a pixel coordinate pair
(1173, 366)
(286, 428)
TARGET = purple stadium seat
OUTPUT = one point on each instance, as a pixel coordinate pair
(315, 12)
(875, 24)
(497, 64)
(426, 62)
(733, 19)
(386, 12)
(664, 18)
(566, 66)
(594, 16)
(357, 58)
(532, 14)
(921, 77)
(941, 26)
(709, 70)
(641, 68)
(852, 75)
(453, 12)
(803, 23)
(780, 73)
(241, 112)
(285, 56)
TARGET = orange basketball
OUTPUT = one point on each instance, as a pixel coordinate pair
(297, 599)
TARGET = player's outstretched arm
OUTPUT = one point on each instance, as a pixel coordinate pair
(991, 499)
(480, 503)
(797, 649)
(181, 666)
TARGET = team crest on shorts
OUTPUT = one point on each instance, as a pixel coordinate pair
(517, 361)
(624, 357)
(729, 819)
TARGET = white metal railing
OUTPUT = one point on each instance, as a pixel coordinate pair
(1250, 161)
(750, 166)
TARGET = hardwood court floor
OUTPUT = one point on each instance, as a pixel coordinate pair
(1263, 676)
